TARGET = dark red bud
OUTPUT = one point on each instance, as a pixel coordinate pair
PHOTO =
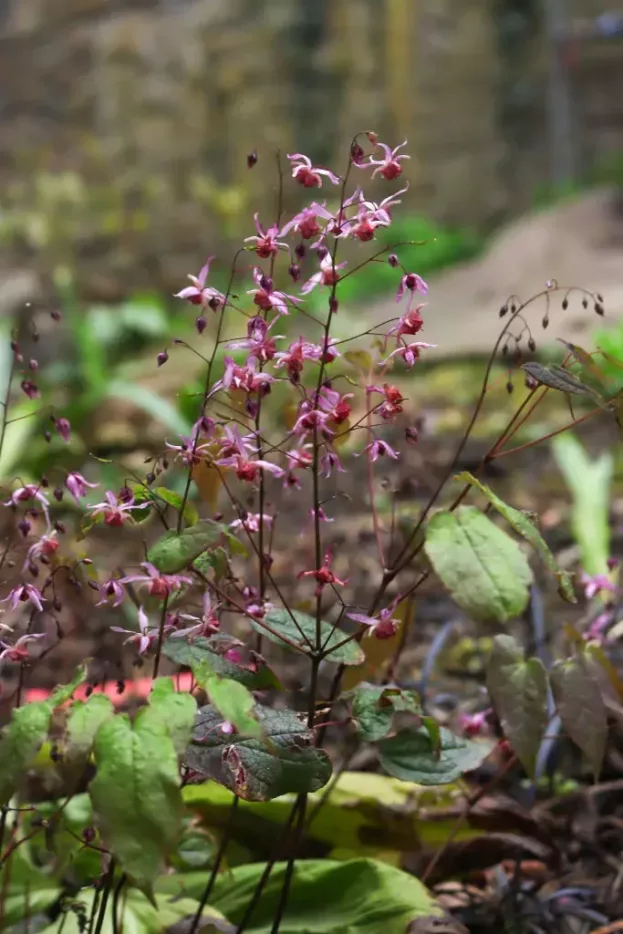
(333, 304)
(300, 249)
(55, 315)
(162, 358)
(33, 365)
(201, 324)
(24, 527)
(412, 435)
(357, 154)
(599, 309)
(372, 136)
(294, 271)
(565, 304)
(393, 260)
(58, 494)
(252, 159)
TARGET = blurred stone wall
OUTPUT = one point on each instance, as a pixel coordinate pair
(125, 124)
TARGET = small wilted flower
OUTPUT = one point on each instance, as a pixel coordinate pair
(251, 522)
(30, 389)
(596, 584)
(409, 352)
(46, 547)
(379, 448)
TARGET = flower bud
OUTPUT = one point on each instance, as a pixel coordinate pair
(33, 365)
(393, 260)
(162, 358)
(252, 159)
(55, 315)
(357, 154)
(372, 136)
(58, 494)
(300, 249)
(333, 304)
(412, 434)
(201, 324)
(24, 527)
(294, 271)
(63, 427)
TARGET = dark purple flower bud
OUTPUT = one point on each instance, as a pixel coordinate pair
(300, 249)
(294, 271)
(322, 252)
(393, 260)
(503, 310)
(372, 136)
(162, 358)
(58, 494)
(530, 382)
(33, 365)
(214, 303)
(55, 315)
(333, 304)
(88, 834)
(412, 435)
(585, 302)
(48, 436)
(30, 389)
(44, 482)
(599, 309)
(201, 324)
(56, 603)
(565, 304)
(24, 527)
(64, 428)
(150, 478)
(509, 387)
(532, 344)
(125, 494)
(60, 527)
(612, 563)
(266, 283)
(252, 159)
(15, 347)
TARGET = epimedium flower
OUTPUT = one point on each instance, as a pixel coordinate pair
(30, 492)
(18, 652)
(379, 448)
(409, 352)
(327, 275)
(158, 584)
(410, 323)
(205, 625)
(115, 510)
(324, 575)
(77, 485)
(261, 347)
(329, 462)
(596, 584)
(145, 636)
(249, 378)
(46, 546)
(294, 357)
(308, 175)
(251, 522)
(266, 242)
(412, 283)
(268, 298)
(111, 593)
(25, 593)
(200, 294)
(334, 404)
(381, 626)
(392, 403)
(389, 167)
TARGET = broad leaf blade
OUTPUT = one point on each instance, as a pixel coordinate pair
(136, 794)
(373, 709)
(84, 721)
(219, 651)
(482, 567)
(524, 526)
(281, 622)
(581, 708)
(173, 552)
(555, 377)
(232, 700)
(176, 710)
(258, 770)
(519, 691)
(21, 741)
(411, 756)
(360, 896)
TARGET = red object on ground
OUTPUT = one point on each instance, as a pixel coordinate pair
(137, 690)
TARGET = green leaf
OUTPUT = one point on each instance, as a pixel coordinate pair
(173, 552)
(361, 896)
(254, 673)
(283, 761)
(28, 890)
(136, 794)
(411, 755)
(519, 690)
(523, 525)
(483, 568)
(374, 707)
(20, 743)
(233, 701)
(84, 721)
(556, 377)
(175, 709)
(589, 482)
(64, 692)
(282, 622)
(581, 708)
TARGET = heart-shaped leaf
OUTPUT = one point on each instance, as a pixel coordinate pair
(483, 568)
(84, 721)
(234, 702)
(300, 629)
(374, 707)
(581, 708)
(524, 526)
(175, 709)
(174, 552)
(411, 756)
(283, 761)
(519, 690)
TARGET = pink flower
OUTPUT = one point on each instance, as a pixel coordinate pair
(63, 427)
(77, 485)
(322, 516)
(598, 583)
(475, 724)
(111, 593)
(25, 593)
(46, 546)
(266, 242)
(410, 323)
(114, 511)
(382, 626)
(326, 276)
(262, 347)
(248, 469)
(381, 213)
(205, 625)
(198, 293)
(378, 449)
(324, 575)
(144, 637)
(306, 221)
(294, 357)
(392, 404)
(267, 298)
(330, 462)
(308, 175)
(311, 420)
(389, 167)
(335, 405)
(251, 522)
(412, 283)
(18, 652)
(248, 378)
(26, 493)
(409, 352)
(159, 585)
